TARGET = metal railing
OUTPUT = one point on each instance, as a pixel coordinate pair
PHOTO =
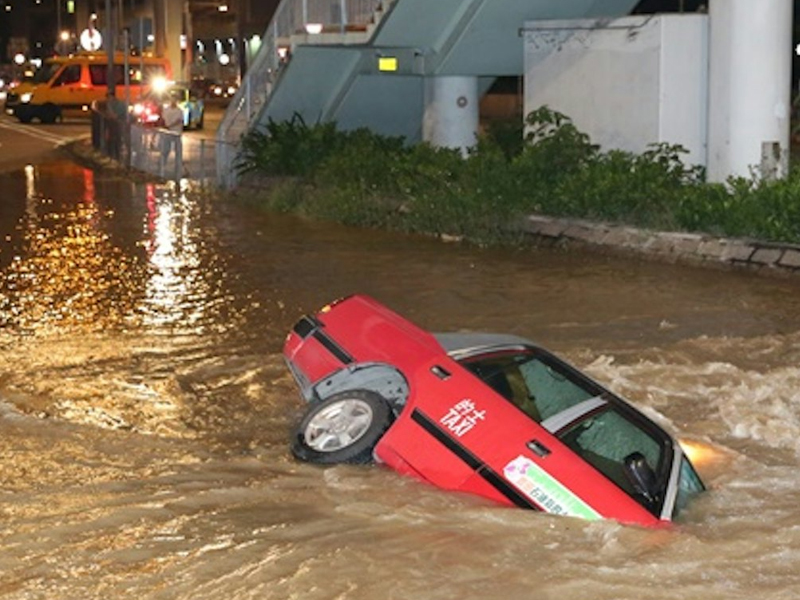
(160, 152)
(171, 155)
(295, 21)
(110, 137)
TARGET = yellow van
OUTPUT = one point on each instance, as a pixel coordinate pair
(66, 86)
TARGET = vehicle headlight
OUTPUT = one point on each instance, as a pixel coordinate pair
(26, 97)
(159, 84)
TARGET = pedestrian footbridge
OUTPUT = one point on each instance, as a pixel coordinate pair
(394, 66)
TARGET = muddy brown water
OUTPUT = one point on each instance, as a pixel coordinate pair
(145, 409)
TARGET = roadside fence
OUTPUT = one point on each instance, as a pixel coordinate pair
(160, 152)
(110, 136)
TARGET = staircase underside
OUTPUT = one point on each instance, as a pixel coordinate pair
(480, 38)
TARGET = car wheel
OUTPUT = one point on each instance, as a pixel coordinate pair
(342, 429)
(49, 113)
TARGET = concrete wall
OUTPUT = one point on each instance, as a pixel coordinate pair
(626, 82)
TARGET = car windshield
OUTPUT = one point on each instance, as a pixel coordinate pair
(46, 73)
(689, 485)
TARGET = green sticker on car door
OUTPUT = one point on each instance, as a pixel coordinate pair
(547, 492)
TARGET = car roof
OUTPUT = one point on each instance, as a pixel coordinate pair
(467, 343)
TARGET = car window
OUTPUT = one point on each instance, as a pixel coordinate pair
(99, 74)
(538, 387)
(552, 389)
(70, 75)
(178, 94)
(606, 439)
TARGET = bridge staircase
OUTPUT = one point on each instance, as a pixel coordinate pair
(364, 63)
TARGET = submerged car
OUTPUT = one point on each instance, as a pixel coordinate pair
(492, 415)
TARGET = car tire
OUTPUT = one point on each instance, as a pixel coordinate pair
(49, 113)
(342, 429)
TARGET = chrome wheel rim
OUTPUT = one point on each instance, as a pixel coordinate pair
(338, 425)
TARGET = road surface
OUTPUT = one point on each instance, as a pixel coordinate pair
(23, 144)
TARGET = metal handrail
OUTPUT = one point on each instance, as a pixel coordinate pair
(295, 21)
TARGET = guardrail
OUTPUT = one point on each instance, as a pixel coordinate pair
(160, 152)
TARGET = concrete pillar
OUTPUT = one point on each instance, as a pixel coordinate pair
(451, 112)
(188, 54)
(749, 88)
(168, 22)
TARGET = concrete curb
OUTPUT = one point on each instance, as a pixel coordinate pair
(766, 257)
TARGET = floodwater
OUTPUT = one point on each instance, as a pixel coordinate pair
(145, 409)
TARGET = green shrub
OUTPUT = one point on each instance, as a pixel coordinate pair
(361, 178)
(364, 161)
(287, 147)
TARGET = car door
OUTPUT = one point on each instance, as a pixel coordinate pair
(441, 434)
(629, 451)
(531, 460)
(500, 414)
(559, 464)
(65, 87)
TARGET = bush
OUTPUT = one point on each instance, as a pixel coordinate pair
(287, 147)
(361, 178)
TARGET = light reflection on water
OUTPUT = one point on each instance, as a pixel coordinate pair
(175, 288)
(145, 408)
(66, 271)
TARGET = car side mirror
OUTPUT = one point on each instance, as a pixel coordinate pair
(641, 476)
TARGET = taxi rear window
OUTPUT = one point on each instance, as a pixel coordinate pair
(539, 387)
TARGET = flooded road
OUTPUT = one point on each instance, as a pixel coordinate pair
(145, 409)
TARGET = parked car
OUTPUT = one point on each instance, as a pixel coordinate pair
(149, 109)
(492, 415)
(222, 89)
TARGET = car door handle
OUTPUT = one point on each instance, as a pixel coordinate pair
(538, 448)
(440, 372)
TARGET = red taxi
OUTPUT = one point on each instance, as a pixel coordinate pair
(492, 415)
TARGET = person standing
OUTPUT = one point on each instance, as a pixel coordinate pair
(173, 121)
(115, 121)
